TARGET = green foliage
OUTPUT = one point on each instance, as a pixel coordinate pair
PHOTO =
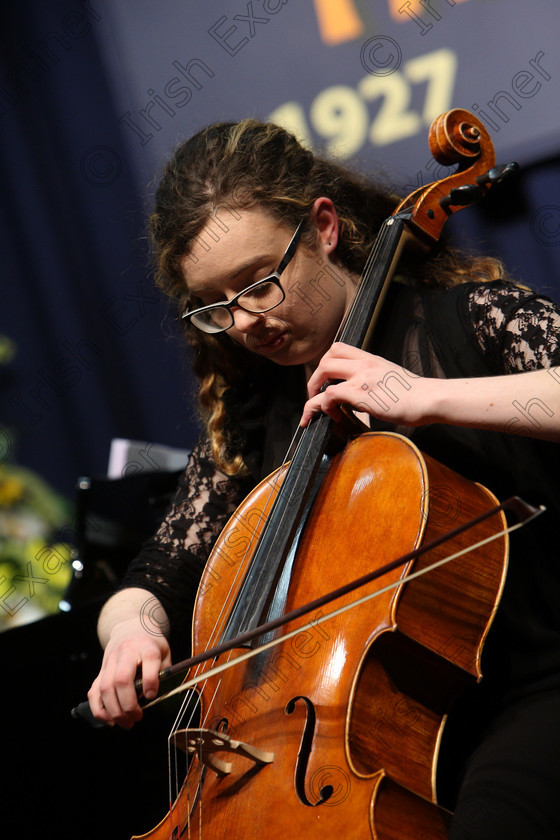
(35, 567)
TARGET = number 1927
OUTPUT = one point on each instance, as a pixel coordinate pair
(340, 114)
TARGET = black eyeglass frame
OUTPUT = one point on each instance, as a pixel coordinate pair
(228, 304)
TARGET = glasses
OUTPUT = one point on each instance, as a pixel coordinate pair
(260, 297)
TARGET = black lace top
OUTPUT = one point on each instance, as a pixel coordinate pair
(508, 329)
(517, 331)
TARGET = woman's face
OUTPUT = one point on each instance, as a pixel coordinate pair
(223, 262)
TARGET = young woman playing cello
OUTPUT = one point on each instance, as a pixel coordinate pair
(261, 244)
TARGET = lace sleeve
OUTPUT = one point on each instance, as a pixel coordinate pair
(170, 564)
(516, 329)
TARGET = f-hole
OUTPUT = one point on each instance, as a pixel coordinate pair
(303, 755)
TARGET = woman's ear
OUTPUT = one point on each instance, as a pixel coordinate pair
(326, 221)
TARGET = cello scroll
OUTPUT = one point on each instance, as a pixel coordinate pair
(454, 137)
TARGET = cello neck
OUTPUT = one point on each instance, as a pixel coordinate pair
(261, 596)
(361, 317)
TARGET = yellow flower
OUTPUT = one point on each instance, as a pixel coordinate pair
(11, 491)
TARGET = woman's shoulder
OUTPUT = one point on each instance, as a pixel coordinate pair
(518, 326)
(491, 304)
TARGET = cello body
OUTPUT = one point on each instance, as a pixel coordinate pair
(340, 725)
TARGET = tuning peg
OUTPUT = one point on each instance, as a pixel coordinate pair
(461, 196)
(497, 174)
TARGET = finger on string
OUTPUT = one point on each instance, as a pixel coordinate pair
(347, 351)
(335, 370)
(332, 410)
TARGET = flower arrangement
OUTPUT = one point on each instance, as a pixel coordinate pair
(35, 567)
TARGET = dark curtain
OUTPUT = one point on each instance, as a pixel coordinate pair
(96, 358)
(519, 221)
(97, 355)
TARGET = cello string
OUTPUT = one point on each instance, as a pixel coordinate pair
(187, 707)
(299, 434)
(263, 515)
(293, 448)
(174, 778)
(298, 439)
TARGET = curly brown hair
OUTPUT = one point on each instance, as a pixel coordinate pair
(232, 166)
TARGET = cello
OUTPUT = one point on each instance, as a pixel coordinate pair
(336, 727)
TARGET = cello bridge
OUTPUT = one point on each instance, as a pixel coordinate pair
(206, 743)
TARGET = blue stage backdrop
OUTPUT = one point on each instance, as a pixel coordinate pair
(94, 96)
